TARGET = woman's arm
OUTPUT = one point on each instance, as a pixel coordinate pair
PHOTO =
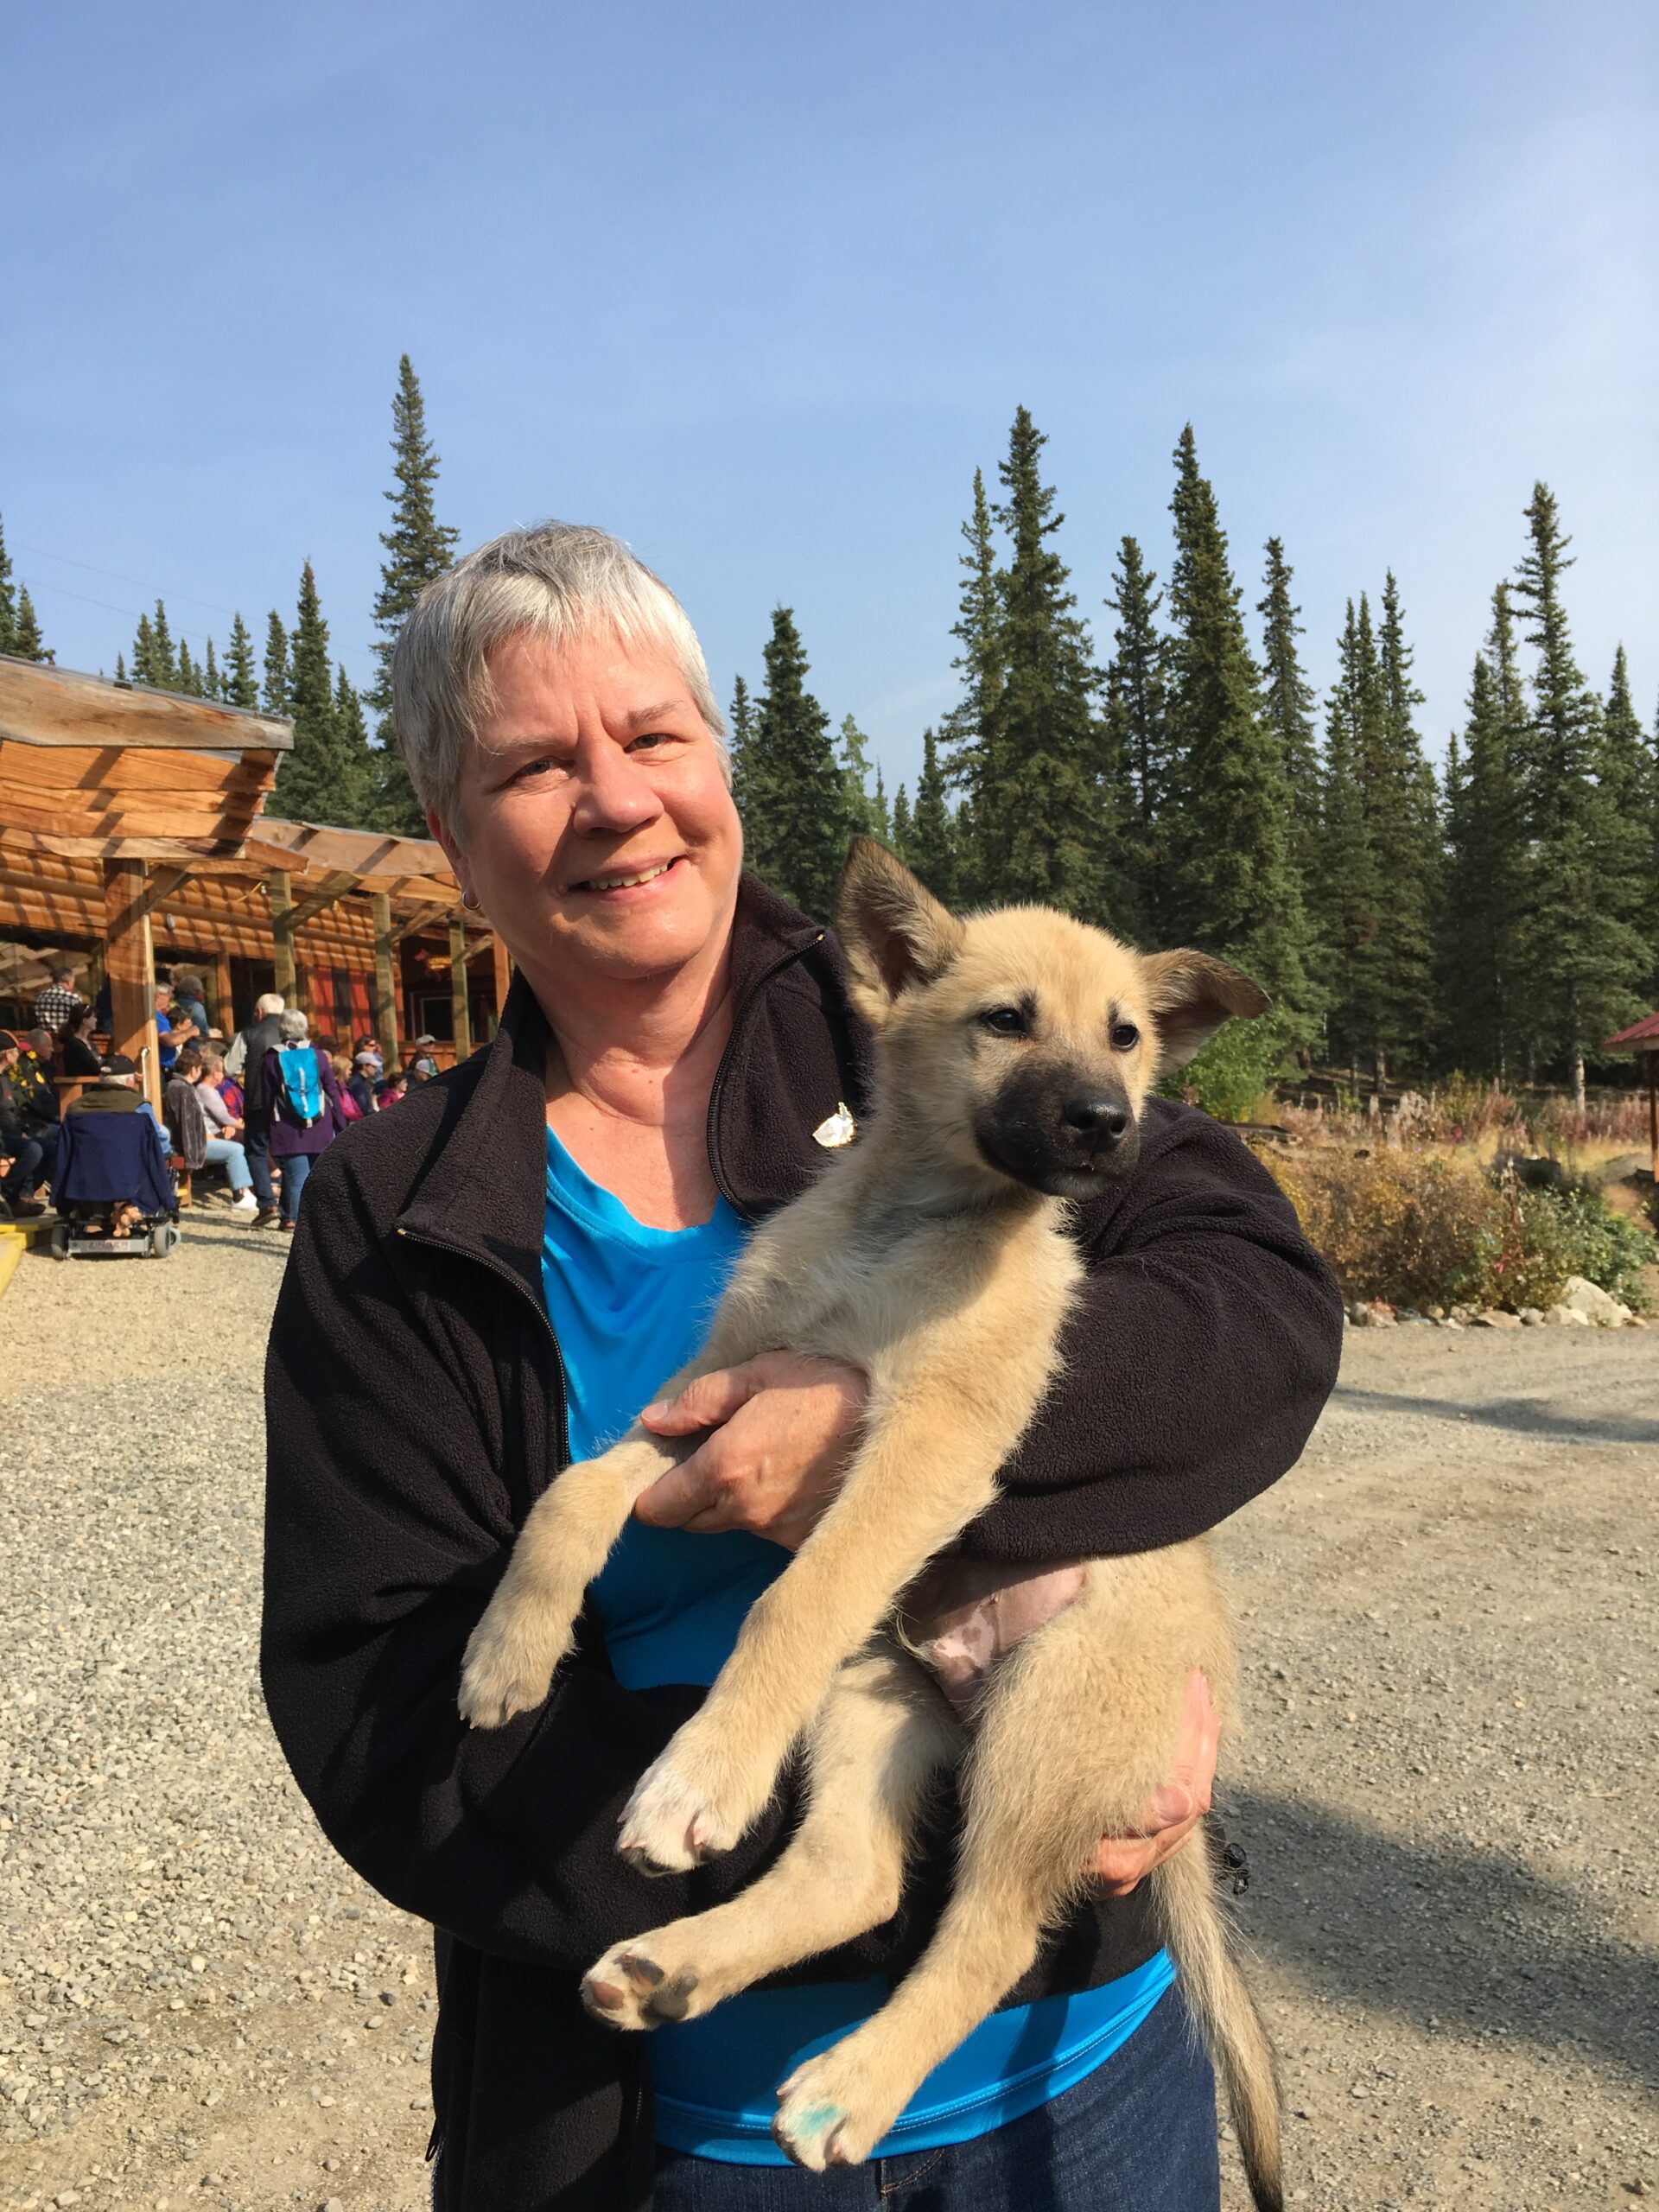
(388, 1524)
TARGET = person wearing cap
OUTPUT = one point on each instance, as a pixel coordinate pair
(115, 1092)
(21, 1153)
(35, 1098)
(360, 1083)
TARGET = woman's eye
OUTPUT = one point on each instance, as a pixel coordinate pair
(1125, 1036)
(1004, 1021)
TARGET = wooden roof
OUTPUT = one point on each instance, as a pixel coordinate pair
(1642, 1036)
(100, 771)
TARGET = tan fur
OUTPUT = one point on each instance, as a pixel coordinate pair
(918, 1259)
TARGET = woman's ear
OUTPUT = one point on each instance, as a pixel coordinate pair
(1189, 996)
(895, 932)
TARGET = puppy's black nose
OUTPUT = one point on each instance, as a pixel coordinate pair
(1104, 1119)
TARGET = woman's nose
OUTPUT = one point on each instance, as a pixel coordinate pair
(614, 793)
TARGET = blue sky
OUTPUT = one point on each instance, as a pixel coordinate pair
(759, 286)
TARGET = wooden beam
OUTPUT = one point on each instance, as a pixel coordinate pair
(460, 1018)
(224, 998)
(424, 917)
(280, 892)
(132, 972)
(502, 966)
(57, 706)
(332, 892)
(162, 885)
(385, 977)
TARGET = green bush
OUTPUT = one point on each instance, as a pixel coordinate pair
(1234, 1073)
(1604, 1246)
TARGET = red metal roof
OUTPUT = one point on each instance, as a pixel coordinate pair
(1645, 1032)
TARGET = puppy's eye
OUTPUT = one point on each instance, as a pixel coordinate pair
(1004, 1021)
(1125, 1036)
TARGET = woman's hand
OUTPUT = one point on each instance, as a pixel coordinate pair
(1122, 1862)
(784, 1427)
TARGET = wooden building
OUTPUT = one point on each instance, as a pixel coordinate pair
(132, 835)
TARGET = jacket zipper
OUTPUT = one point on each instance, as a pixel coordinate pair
(711, 1132)
(515, 1282)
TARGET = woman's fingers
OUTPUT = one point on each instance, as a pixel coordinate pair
(706, 1402)
(1177, 1806)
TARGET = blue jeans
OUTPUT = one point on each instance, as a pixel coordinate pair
(1136, 2135)
(226, 1153)
(32, 1163)
(296, 1168)
(256, 1143)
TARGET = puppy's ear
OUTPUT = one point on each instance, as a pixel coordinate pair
(1189, 996)
(895, 932)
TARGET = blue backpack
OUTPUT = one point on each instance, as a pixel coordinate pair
(302, 1083)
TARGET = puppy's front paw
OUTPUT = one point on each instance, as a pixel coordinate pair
(629, 1988)
(510, 1663)
(834, 2110)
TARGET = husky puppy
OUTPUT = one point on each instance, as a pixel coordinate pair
(1014, 1052)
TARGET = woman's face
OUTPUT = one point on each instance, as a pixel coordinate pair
(594, 823)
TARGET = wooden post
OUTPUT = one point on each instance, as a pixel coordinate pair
(130, 965)
(385, 978)
(503, 967)
(1650, 1061)
(281, 893)
(223, 1004)
(461, 1020)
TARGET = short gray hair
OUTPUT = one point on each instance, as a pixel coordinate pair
(559, 581)
(292, 1027)
(268, 1002)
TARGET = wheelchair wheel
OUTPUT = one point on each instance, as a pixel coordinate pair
(163, 1238)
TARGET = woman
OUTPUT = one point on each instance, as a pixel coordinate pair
(299, 1088)
(77, 1055)
(196, 1073)
(492, 1282)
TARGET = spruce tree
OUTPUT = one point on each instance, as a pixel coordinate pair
(213, 683)
(1288, 707)
(1041, 829)
(1347, 896)
(187, 676)
(355, 756)
(882, 811)
(1629, 772)
(978, 630)
(27, 641)
(902, 839)
(276, 697)
(241, 687)
(930, 832)
(1404, 818)
(861, 808)
(418, 548)
(738, 741)
(1137, 725)
(143, 651)
(320, 779)
(1482, 986)
(8, 600)
(1586, 959)
(1235, 891)
(797, 826)
(164, 659)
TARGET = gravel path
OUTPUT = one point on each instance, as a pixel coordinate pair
(1446, 1791)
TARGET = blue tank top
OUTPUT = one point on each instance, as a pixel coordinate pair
(629, 1305)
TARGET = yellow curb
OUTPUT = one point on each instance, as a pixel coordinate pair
(13, 1245)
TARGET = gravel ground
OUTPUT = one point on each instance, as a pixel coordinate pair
(1445, 1793)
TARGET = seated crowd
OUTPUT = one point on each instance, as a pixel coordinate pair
(260, 1105)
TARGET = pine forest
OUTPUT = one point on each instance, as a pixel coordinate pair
(1164, 768)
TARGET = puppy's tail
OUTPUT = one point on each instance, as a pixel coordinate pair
(1200, 1941)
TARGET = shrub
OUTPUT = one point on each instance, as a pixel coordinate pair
(1232, 1077)
(1409, 1227)
(1599, 1244)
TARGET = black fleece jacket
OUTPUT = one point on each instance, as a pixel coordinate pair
(415, 1411)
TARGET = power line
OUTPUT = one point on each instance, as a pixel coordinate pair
(116, 578)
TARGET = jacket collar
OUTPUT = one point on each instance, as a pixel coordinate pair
(484, 1193)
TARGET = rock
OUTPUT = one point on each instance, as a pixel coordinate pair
(1537, 1171)
(1531, 1317)
(1494, 1317)
(1588, 1298)
(1374, 1313)
(1569, 1316)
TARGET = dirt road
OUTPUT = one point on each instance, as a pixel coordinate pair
(1447, 1792)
